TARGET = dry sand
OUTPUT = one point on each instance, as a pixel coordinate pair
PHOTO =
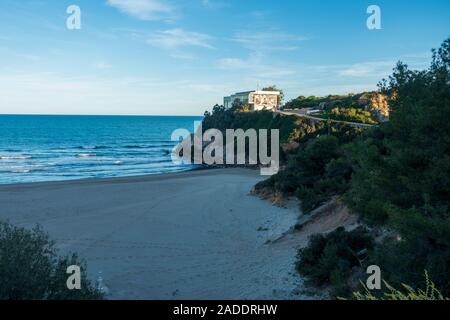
(193, 235)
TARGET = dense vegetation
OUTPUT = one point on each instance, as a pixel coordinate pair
(329, 259)
(331, 101)
(349, 114)
(401, 175)
(367, 107)
(235, 118)
(30, 268)
(320, 168)
(395, 175)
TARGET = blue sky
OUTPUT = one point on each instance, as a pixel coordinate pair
(167, 57)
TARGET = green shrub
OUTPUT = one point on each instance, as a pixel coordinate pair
(221, 119)
(349, 114)
(318, 170)
(329, 259)
(30, 268)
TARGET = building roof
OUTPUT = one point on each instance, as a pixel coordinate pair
(268, 92)
(243, 92)
(255, 91)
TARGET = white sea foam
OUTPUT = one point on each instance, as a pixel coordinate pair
(86, 155)
(15, 157)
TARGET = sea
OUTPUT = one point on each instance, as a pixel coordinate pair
(35, 148)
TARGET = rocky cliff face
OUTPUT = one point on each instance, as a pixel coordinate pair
(378, 105)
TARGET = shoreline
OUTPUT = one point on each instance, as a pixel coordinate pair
(196, 234)
(97, 179)
(132, 178)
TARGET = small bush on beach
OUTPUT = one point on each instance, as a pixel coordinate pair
(329, 259)
(30, 268)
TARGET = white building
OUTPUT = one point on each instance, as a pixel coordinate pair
(256, 100)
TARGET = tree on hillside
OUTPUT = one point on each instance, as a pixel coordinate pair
(402, 174)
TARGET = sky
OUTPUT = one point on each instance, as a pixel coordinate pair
(168, 57)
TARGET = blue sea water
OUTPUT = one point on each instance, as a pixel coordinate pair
(51, 148)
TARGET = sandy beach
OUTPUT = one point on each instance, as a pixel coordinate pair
(191, 235)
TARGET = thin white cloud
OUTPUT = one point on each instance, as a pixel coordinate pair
(29, 57)
(420, 55)
(182, 56)
(214, 4)
(102, 65)
(218, 89)
(176, 38)
(27, 93)
(259, 14)
(232, 63)
(255, 66)
(381, 68)
(324, 90)
(143, 9)
(366, 69)
(268, 41)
